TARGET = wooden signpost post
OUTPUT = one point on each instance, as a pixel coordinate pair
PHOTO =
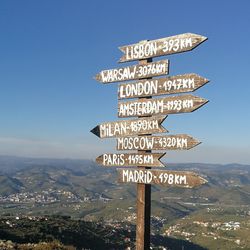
(136, 134)
(143, 201)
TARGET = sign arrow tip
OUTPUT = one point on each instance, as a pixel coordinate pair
(96, 131)
(97, 77)
(159, 159)
(204, 38)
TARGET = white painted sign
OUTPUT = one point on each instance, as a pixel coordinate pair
(131, 160)
(162, 177)
(169, 142)
(161, 86)
(166, 105)
(160, 47)
(133, 72)
(148, 125)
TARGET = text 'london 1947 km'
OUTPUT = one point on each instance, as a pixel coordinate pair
(161, 86)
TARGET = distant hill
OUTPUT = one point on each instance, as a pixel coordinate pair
(83, 190)
(11, 164)
(9, 185)
(86, 181)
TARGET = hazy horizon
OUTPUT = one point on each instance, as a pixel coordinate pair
(163, 160)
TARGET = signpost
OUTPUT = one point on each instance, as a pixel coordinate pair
(136, 134)
(147, 125)
(161, 177)
(131, 160)
(160, 106)
(161, 86)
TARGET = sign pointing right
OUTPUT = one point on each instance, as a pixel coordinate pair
(165, 142)
(165, 105)
(161, 47)
(161, 86)
(170, 178)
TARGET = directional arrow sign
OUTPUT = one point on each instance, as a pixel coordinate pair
(131, 160)
(166, 105)
(161, 47)
(169, 142)
(183, 179)
(133, 72)
(148, 125)
(161, 86)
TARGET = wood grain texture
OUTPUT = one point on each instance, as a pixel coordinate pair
(140, 71)
(143, 202)
(161, 86)
(143, 206)
(147, 125)
(165, 142)
(160, 106)
(184, 179)
(160, 47)
(131, 160)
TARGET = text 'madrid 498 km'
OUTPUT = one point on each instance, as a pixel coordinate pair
(161, 47)
(162, 177)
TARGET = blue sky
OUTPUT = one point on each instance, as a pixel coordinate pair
(51, 50)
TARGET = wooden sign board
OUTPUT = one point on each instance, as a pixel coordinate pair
(161, 47)
(160, 106)
(168, 142)
(148, 125)
(161, 86)
(133, 72)
(168, 178)
(131, 160)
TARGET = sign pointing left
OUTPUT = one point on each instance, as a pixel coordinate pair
(147, 125)
(133, 72)
(131, 160)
